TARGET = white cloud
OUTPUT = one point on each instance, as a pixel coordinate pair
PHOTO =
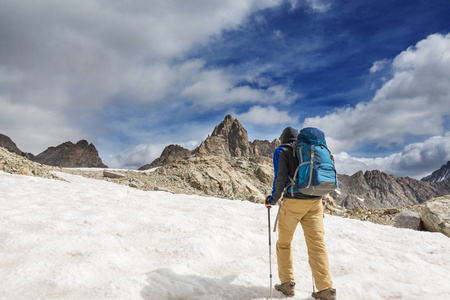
(138, 156)
(379, 65)
(39, 128)
(73, 58)
(416, 160)
(266, 116)
(214, 88)
(279, 35)
(319, 5)
(413, 102)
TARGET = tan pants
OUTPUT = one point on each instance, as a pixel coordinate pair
(310, 215)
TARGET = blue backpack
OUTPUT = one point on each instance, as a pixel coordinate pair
(316, 174)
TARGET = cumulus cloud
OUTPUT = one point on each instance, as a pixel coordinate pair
(266, 116)
(39, 127)
(416, 160)
(414, 102)
(74, 58)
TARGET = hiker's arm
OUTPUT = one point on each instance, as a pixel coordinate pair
(282, 177)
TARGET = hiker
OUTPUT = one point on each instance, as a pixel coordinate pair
(298, 208)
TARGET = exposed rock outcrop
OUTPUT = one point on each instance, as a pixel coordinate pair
(13, 163)
(439, 175)
(69, 155)
(112, 174)
(264, 148)
(436, 215)
(233, 178)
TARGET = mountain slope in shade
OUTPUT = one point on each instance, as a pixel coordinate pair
(70, 155)
(439, 175)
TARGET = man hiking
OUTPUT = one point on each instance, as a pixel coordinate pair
(298, 208)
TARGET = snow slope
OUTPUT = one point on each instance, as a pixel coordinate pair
(88, 239)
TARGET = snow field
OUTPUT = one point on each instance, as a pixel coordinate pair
(90, 239)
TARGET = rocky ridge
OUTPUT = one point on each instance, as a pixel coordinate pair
(68, 155)
(244, 178)
(7, 143)
(367, 191)
(439, 175)
(228, 139)
(375, 189)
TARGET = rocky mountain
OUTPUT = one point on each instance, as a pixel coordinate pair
(170, 153)
(228, 139)
(70, 155)
(439, 175)
(218, 168)
(66, 155)
(7, 143)
(375, 189)
(264, 148)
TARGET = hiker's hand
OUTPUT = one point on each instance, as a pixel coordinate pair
(267, 202)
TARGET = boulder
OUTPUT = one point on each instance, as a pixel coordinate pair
(160, 189)
(436, 215)
(408, 219)
(136, 183)
(111, 174)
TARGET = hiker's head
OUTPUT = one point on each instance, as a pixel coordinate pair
(289, 135)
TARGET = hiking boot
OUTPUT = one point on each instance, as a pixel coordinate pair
(328, 294)
(286, 288)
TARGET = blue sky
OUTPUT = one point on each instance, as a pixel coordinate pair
(134, 76)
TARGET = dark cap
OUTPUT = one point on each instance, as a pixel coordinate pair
(289, 135)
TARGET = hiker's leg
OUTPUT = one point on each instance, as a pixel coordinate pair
(287, 223)
(312, 224)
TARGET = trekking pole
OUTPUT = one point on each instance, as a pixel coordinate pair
(278, 214)
(270, 253)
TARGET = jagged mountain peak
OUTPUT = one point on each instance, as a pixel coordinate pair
(228, 139)
(227, 126)
(70, 155)
(439, 175)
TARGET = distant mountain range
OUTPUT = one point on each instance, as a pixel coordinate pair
(67, 155)
(369, 190)
(375, 189)
(231, 174)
